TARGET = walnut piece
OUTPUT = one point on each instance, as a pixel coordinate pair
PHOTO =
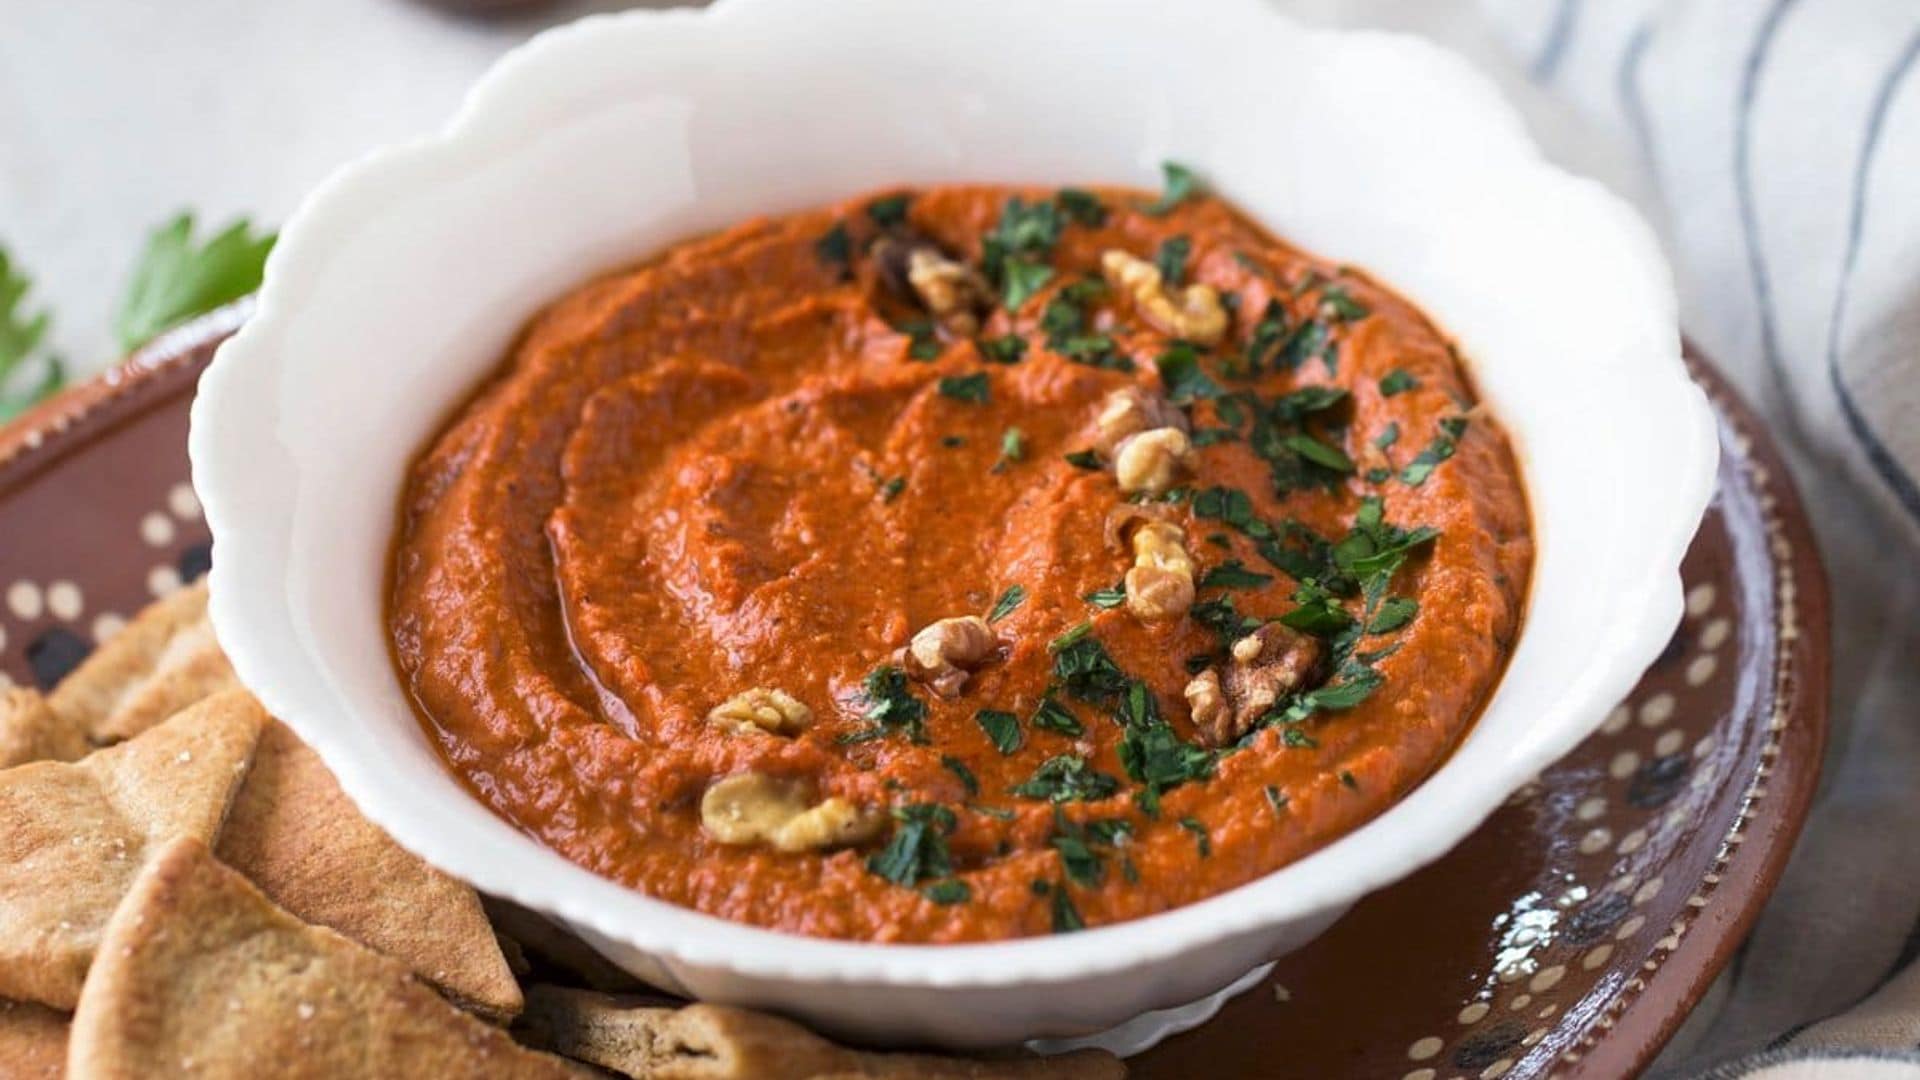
(1267, 665)
(954, 293)
(1129, 411)
(1160, 584)
(1152, 460)
(945, 651)
(761, 709)
(754, 808)
(1193, 313)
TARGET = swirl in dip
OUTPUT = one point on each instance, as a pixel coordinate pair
(961, 564)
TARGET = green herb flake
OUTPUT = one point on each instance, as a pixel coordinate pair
(1067, 778)
(968, 388)
(959, 769)
(1013, 448)
(1052, 716)
(1320, 453)
(1011, 598)
(1388, 435)
(1183, 377)
(889, 211)
(835, 247)
(1180, 185)
(1393, 614)
(1347, 779)
(1340, 304)
(1066, 917)
(948, 892)
(1005, 349)
(1002, 729)
(1023, 280)
(1199, 831)
(1084, 459)
(1397, 381)
(918, 848)
(1084, 668)
(891, 489)
(1277, 800)
(1171, 258)
(1082, 207)
(1109, 598)
(1295, 739)
(889, 705)
(1233, 574)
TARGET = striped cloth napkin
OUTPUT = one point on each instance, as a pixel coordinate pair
(1777, 146)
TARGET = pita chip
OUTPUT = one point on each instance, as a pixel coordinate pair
(33, 1042)
(555, 951)
(299, 839)
(31, 731)
(638, 1037)
(163, 661)
(201, 975)
(73, 836)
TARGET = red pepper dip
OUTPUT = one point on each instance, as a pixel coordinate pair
(961, 564)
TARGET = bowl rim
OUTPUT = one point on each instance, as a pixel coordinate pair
(1628, 644)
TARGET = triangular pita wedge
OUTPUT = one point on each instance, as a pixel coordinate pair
(33, 1042)
(73, 836)
(200, 975)
(296, 836)
(31, 731)
(637, 1036)
(163, 661)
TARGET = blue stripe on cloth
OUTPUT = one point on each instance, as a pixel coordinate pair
(1884, 463)
(1559, 36)
(1743, 184)
(1626, 83)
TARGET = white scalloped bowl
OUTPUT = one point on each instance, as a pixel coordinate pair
(404, 279)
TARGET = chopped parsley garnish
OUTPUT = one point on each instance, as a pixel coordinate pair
(1295, 739)
(1388, 435)
(1082, 207)
(1050, 715)
(1012, 598)
(1156, 757)
(959, 769)
(1397, 381)
(1230, 505)
(1347, 779)
(1317, 612)
(1337, 302)
(1171, 258)
(890, 707)
(1067, 778)
(1064, 321)
(1437, 451)
(1220, 616)
(889, 211)
(1276, 799)
(835, 247)
(1233, 574)
(1267, 335)
(924, 344)
(1066, 917)
(1002, 728)
(1394, 613)
(1083, 667)
(969, 388)
(1180, 185)
(1005, 349)
(918, 849)
(1023, 279)
(891, 489)
(1084, 459)
(1013, 448)
(1199, 831)
(1307, 340)
(1182, 375)
(1109, 598)
(1320, 453)
(948, 892)
(176, 278)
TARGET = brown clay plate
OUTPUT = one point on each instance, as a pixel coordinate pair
(1567, 937)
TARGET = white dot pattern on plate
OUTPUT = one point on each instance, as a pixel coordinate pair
(65, 601)
(163, 581)
(106, 625)
(183, 502)
(1473, 1013)
(1716, 633)
(1422, 1049)
(25, 600)
(156, 529)
(1657, 710)
(1701, 669)
(1623, 764)
(1669, 742)
(1700, 600)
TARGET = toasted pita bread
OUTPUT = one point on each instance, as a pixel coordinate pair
(73, 836)
(638, 1037)
(33, 1042)
(163, 661)
(31, 731)
(201, 975)
(296, 836)
(552, 950)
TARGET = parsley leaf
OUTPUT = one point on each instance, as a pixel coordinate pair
(1006, 349)
(889, 211)
(969, 388)
(1182, 375)
(948, 892)
(1082, 207)
(1199, 831)
(890, 707)
(174, 280)
(836, 247)
(1066, 778)
(1013, 448)
(1394, 613)
(1180, 185)
(1066, 917)
(959, 769)
(1341, 305)
(20, 339)
(1397, 381)
(1171, 258)
(918, 849)
(1109, 598)
(1023, 279)
(1002, 728)
(1084, 459)
(1052, 716)
(1233, 574)
(1084, 668)
(1012, 598)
